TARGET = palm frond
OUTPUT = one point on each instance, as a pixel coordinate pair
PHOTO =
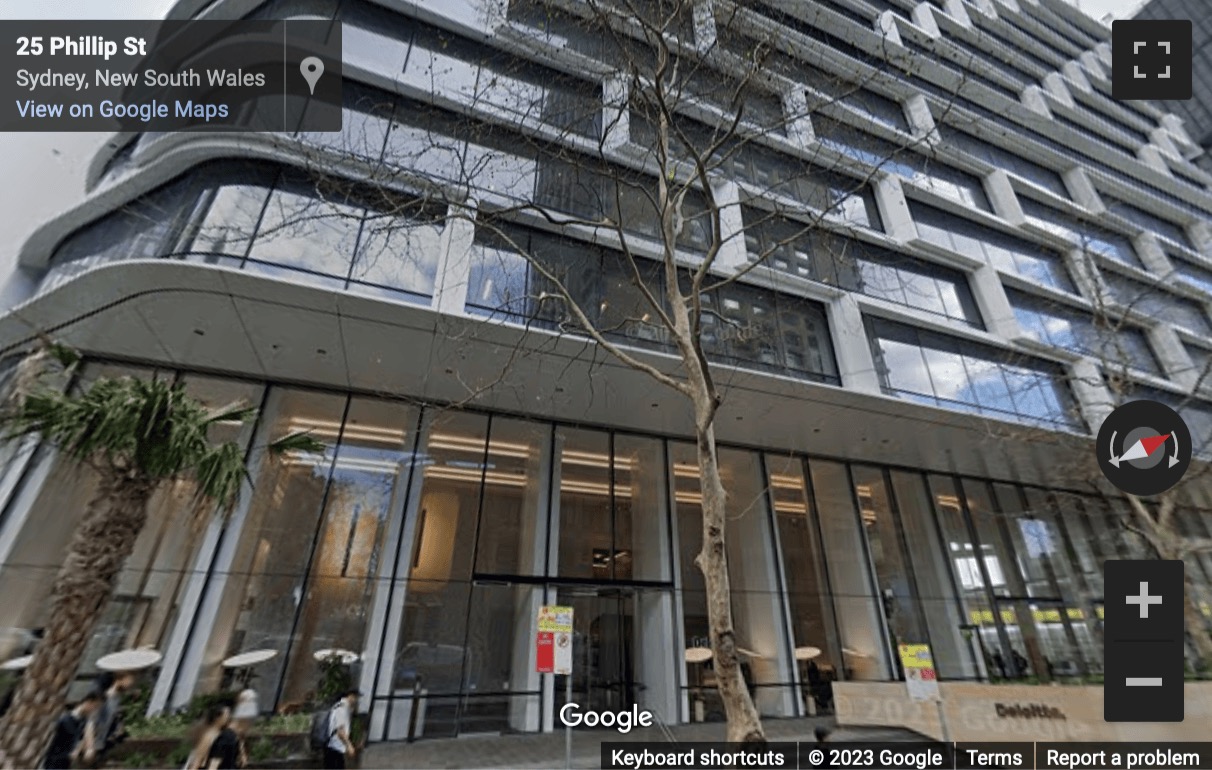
(301, 441)
(238, 412)
(152, 427)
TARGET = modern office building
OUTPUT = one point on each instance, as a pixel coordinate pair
(911, 380)
(1196, 112)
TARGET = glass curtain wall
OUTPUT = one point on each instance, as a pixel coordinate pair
(757, 610)
(444, 531)
(312, 543)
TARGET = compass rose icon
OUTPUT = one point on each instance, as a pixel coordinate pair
(1144, 448)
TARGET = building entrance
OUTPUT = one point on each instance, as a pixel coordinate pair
(621, 653)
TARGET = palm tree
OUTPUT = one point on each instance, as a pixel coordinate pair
(136, 434)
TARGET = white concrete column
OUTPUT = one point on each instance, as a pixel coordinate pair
(454, 259)
(990, 296)
(547, 718)
(1103, 50)
(921, 120)
(704, 25)
(1076, 76)
(1092, 64)
(524, 712)
(855, 364)
(1012, 5)
(1161, 139)
(1200, 233)
(1152, 157)
(733, 254)
(1002, 196)
(885, 24)
(1081, 189)
(1033, 99)
(956, 10)
(392, 723)
(799, 123)
(1093, 397)
(758, 606)
(894, 209)
(1151, 254)
(923, 17)
(986, 7)
(23, 504)
(1086, 276)
(380, 599)
(1055, 85)
(190, 646)
(616, 118)
(1173, 356)
(1175, 125)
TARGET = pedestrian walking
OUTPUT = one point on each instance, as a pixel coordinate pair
(67, 742)
(340, 748)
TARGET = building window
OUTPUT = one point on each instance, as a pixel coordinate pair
(764, 170)
(1114, 344)
(1002, 251)
(956, 374)
(813, 629)
(1088, 237)
(145, 605)
(443, 62)
(146, 228)
(1156, 303)
(1191, 274)
(595, 191)
(951, 640)
(820, 255)
(757, 609)
(855, 597)
(612, 504)
(1031, 171)
(313, 542)
(923, 171)
(1163, 228)
(744, 325)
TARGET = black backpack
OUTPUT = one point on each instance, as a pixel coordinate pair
(321, 733)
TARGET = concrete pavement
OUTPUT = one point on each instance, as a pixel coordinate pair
(546, 751)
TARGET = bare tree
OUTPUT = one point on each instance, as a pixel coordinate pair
(1114, 333)
(681, 147)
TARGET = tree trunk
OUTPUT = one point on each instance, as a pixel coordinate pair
(99, 548)
(1197, 625)
(744, 725)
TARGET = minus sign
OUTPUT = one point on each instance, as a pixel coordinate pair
(1143, 681)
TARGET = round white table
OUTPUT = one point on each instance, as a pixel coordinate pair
(129, 660)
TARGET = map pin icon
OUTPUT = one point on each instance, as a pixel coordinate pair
(312, 68)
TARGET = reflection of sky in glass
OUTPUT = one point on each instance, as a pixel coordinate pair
(1037, 536)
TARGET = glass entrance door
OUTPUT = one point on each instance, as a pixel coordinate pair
(603, 648)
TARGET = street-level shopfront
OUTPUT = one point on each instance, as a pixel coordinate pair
(426, 538)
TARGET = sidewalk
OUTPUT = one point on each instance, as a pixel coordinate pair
(546, 751)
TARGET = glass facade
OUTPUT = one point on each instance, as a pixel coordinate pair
(424, 539)
(1114, 343)
(936, 369)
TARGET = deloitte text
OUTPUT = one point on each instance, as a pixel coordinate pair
(622, 721)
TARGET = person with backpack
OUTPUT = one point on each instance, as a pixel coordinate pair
(331, 730)
(68, 740)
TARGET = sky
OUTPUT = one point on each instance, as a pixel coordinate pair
(54, 163)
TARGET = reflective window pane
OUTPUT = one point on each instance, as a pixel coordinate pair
(864, 653)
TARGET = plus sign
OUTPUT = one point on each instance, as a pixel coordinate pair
(1144, 600)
